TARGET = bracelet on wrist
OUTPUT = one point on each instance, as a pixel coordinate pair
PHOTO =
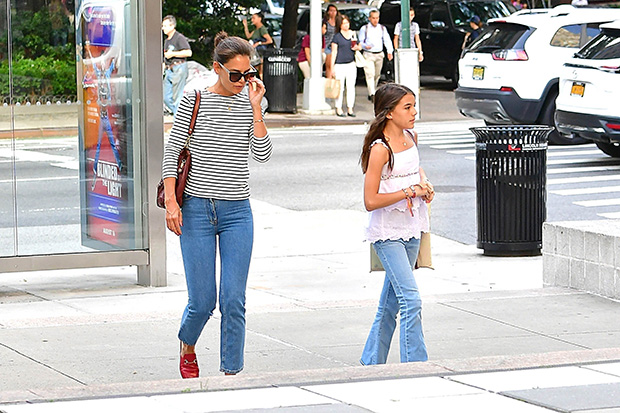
(259, 121)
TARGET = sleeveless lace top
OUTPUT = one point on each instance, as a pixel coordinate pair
(395, 221)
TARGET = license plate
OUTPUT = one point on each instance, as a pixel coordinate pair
(478, 73)
(577, 89)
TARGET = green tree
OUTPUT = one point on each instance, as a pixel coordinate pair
(201, 20)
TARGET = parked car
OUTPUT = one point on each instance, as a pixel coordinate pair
(587, 104)
(509, 75)
(443, 25)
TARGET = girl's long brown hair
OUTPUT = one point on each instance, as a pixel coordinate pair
(386, 99)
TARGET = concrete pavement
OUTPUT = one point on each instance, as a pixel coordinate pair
(92, 340)
(90, 334)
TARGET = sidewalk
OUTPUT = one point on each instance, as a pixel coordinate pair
(436, 104)
(93, 334)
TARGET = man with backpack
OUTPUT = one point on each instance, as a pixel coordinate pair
(373, 37)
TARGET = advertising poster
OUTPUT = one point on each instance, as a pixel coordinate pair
(105, 126)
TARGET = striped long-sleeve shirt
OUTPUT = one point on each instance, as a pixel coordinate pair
(220, 147)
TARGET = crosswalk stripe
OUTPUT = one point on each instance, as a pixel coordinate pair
(429, 136)
(598, 202)
(610, 215)
(446, 141)
(580, 169)
(578, 160)
(578, 180)
(462, 151)
(453, 146)
(575, 153)
(589, 191)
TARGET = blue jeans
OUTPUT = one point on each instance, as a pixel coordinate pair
(174, 83)
(400, 294)
(228, 225)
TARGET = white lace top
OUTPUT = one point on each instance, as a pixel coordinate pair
(395, 221)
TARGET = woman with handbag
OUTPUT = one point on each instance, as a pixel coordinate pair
(344, 46)
(260, 38)
(395, 191)
(216, 209)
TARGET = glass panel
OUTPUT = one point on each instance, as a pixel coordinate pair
(567, 36)
(7, 190)
(73, 127)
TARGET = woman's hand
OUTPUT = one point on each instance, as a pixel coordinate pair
(174, 217)
(430, 190)
(256, 91)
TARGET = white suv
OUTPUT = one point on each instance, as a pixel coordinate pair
(589, 86)
(509, 75)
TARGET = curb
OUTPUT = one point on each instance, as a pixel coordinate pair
(447, 367)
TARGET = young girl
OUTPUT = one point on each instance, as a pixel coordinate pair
(395, 191)
(216, 214)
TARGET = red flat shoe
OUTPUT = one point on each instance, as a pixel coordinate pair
(189, 366)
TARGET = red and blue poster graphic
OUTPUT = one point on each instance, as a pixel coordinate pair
(104, 129)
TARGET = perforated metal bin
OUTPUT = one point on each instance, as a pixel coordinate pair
(511, 170)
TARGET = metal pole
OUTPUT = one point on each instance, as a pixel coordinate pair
(148, 28)
(405, 35)
(314, 92)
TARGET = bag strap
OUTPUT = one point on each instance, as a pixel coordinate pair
(192, 123)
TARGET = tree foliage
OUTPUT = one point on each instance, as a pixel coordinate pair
(201, 20)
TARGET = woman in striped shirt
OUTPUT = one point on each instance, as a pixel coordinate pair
(216, 208)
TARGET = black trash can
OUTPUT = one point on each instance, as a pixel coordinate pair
(280, 78)
(511, 175)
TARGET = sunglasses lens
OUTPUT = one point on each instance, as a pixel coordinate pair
(250, 75)
(235, 76)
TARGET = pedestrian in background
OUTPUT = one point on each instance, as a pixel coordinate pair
(176, 52)
(344, 45)
(331, 24)
(260, 38)
(414, 31)
(476, 28)
(303, 57)
(216, 213)
(395, 192)
(373, 37)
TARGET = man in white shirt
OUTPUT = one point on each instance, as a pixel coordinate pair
(373, 37)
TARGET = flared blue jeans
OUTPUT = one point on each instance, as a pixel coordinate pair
(399, 295)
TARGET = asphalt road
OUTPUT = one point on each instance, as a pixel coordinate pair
(317, 168)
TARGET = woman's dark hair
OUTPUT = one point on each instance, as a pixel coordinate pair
(227, 47)
(326, 15)
(338, 16)
(386, 99)
(261, 16)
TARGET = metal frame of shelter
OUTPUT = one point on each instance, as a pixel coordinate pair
(146, 18)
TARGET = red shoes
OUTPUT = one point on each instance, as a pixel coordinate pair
(189, 366)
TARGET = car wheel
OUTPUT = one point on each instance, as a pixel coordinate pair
(610, 149)
(546, 118)
(455, 77)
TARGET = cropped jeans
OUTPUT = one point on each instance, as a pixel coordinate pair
(209, 224)
(400, 294)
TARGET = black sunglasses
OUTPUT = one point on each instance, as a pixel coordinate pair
(236, 76)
